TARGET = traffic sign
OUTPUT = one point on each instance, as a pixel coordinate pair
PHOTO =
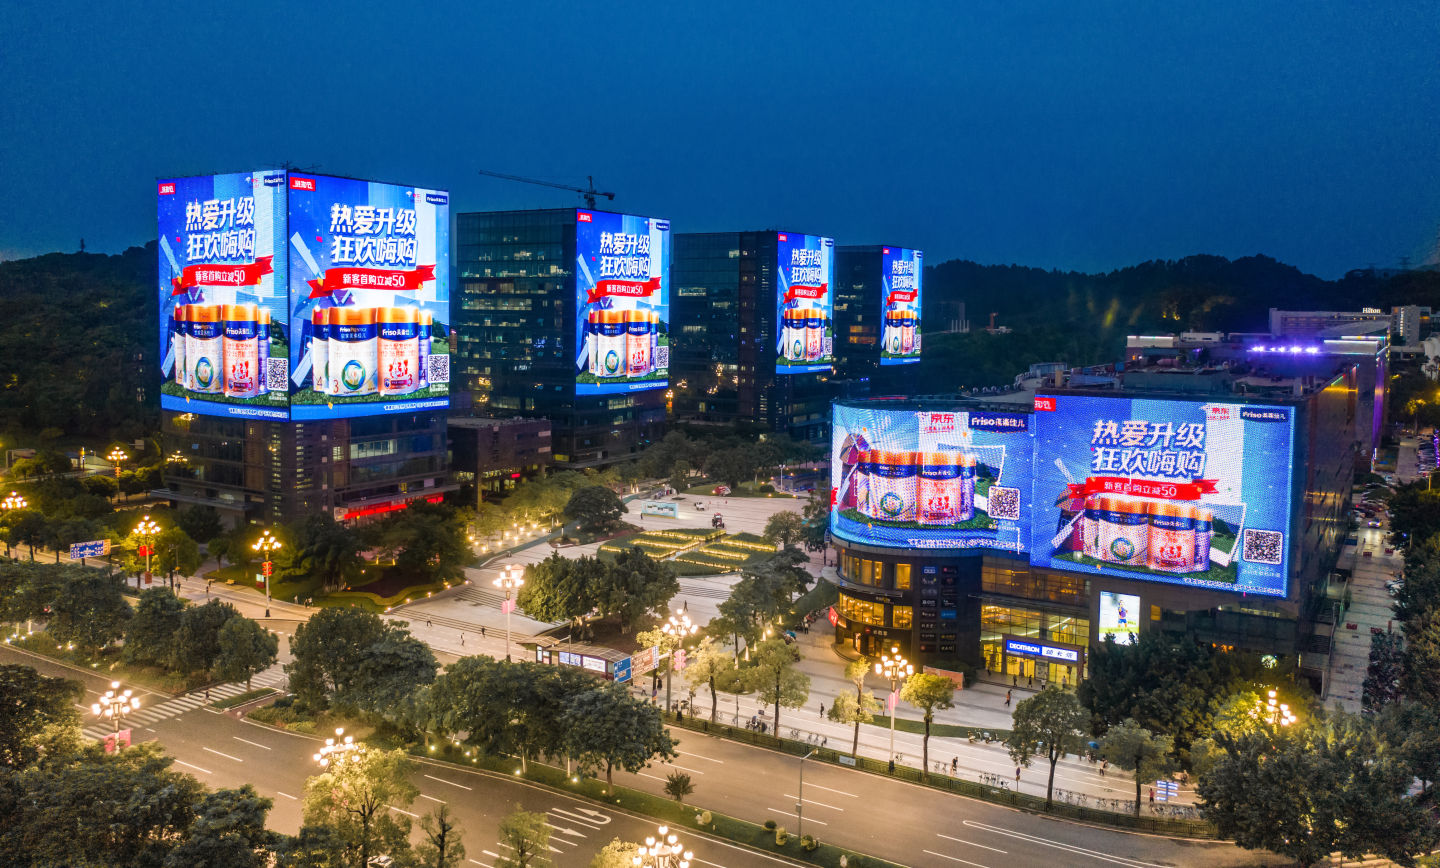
(622, 670)
(93, 549)
(644, 660)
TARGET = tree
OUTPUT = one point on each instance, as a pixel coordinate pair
(354, 798)
(324, 548)
(1383, 674)
(328, 651)
(594, 508)
(1412, 731)
(199, 522)
(636, 586)
(709, 664)
(196, 646)
(817, 520)
(88, 610)
(730, 466)
(616, 854)
(561, 589)
(785, 528)
(32, 705)
(527, 836)
(245, 649)
(929, 693)
(1048, 724)
(1308, 790)
(101, 485)
(678, 786)
(680, 475)
(228, 832)
(1134, 748)
(150, 635)
(442, 847)
(606, 727)
(1422, 659)
(426, 539)
(771, 674)
(25, 527)
(392, 667)
(176, 552)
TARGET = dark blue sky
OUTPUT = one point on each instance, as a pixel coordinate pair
(1071, 135)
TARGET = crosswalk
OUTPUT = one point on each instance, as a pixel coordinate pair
(274, 677)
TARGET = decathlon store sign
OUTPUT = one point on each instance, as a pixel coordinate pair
(1040, 649)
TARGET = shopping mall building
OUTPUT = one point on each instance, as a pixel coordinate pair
(1013, 533)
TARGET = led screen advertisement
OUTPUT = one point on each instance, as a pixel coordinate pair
(901, 271)
(369, 298)
(1185, 492)
(221, 284)
(1118, 617)
(922, 478)
(622, 303)
(805, 306)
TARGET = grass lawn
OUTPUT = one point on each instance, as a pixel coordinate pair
(945, 730)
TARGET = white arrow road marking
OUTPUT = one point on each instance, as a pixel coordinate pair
(594, 819)
(566, 831)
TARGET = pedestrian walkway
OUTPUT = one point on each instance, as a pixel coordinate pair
(274, 677)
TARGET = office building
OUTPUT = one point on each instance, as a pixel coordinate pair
(491, 455)
(1310, 323)
(521, 281)
(877, 311)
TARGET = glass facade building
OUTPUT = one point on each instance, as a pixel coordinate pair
(514, 315)
(857, 310)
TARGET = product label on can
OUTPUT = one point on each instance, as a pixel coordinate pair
(242, 359)
(399, 358)
(637, 348)
(204, 355)
(1172, 543)
(892, 491)
(814, 337)
(352, 359)
(320, 357)
(611, 349)
(1122, 537)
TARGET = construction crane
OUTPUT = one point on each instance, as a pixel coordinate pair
(589, 193)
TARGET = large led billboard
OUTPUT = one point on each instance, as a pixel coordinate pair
(804, 304)
(1119, 617)
(369, 298)
(1185, 492)
(298, 296)
(937, 477)
(221, 283)
(622, 303)
(901, 273)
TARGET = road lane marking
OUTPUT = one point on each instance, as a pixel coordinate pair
(792, 814)
(478, 862)
(650, 776)
(566, 831)
(403, 811)
(954, 859)
(1071, 848)
(148, 729)
(698, 756)
(287, 795)
(226, 755)
(971, 843)
(432, 798)
(813, 802)
(251, 743)
(491, 855)
(571, 817)
(841, 792)
(451, 783)
(683, 769)
(196, 768)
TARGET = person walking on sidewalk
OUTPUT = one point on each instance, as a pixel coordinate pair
(1007, 699)
(822, 709)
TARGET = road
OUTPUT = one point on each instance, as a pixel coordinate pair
(222, 750)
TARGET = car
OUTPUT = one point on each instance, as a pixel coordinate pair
(1372, 523)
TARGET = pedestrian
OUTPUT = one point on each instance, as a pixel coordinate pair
(462, 640)
(1104, 764)
(207, 694)
(954, 765)
(1031, 681)
(1152, 798)
(428, 624)
(1065, 682)
(1017, 776)
(1015, 680)
(482, 632)
(1007, 699)
(267, 613)
(685, 605)
(822, 709)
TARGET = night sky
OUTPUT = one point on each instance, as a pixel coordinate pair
(1070, 135)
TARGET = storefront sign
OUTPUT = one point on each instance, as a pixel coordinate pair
(1026, 648)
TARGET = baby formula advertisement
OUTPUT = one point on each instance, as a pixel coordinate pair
(1184, 492)
(901, 273)
(941, 477)
(222, 292)
(805, 304)
(622, 303)
(369, 314)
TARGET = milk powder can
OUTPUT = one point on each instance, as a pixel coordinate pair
(939, 488)
(1122, 535)
(611, 348)
(1204, 532)
(892, 485)
(814, 334)
(262, 341)
(637, 343)
(891, 338)
(320, 349)
(654, 317)
(592, 340)
(427, 325)
(352, 351)
(242, 350)
(907, 332)
(1172, 537)
(793, 335)
(204, 352)
(397, 347)
(180, 332)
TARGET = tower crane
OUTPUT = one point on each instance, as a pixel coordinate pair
(589, 193)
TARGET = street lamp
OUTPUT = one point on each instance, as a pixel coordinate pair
(115, 704)
(116, 456)
(1274, 712)
(9, 504)
(511, 578)
(338, 749)
(895, 669)
(662, 851)
(678, 628)
(146, 530)
(267, 544)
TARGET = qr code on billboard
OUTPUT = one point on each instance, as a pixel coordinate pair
(277, 375)
(662, 357)
(1263, 546)
(829, 347)
(439, 368)
(1004, 503)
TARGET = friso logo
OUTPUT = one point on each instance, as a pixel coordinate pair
(298, 183)
(437, 198)
(167, 188)
(1044, 404)
(998, 422)
(584, 217)
(274, 180)
(662, 225)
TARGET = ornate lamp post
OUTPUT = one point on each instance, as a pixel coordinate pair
(339, 749)
(9, 504)
(662, 851)
(116, 457)
(267, 544)
(1274, 712)
(511, 578)
(895, 669)
(114, 705)
(678, 628)
(146, 530)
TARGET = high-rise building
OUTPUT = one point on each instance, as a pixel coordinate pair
(527, 344)
(753, 330)
(877, 310)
